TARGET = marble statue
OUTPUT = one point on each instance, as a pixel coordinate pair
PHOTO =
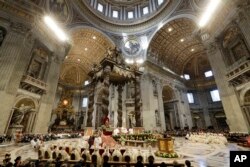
(157, 119)
(19, 114)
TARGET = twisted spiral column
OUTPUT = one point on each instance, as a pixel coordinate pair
(105, 95)
(119, 111)
(91, 105)
(137, 102)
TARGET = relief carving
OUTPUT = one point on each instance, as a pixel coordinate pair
(239, 50)
(233, 41)
(60, 9)
(230, 35)
(38, 63)
(20, 28)
(154, 88)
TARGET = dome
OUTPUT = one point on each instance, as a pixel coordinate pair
(126, 16)
(126, 12)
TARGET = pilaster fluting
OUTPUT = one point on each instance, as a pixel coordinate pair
(91, 104)
(119, 111)
(137, 102)
(14, 56)
(13, 52)
(105, 97)
(228, 95)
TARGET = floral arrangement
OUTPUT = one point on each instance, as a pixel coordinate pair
(166, 155)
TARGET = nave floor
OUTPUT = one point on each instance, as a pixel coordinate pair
(201, 155)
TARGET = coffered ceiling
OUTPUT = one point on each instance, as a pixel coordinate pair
(88, 47)
(175, 44)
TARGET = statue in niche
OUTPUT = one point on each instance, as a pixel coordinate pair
(157, 118)
(19, 114)
(239, 50)
(59, 7)
(131, 118)
(2, 35)
(230, 35)
(38, 63)
(34, 69)
(154, 88)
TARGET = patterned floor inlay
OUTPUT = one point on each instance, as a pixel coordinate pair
(201, 155)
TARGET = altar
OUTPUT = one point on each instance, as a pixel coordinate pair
(166, 145)
(63, 117)
(112, 71)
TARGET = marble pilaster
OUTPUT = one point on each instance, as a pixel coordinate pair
(161, 106)
(47, 101)
(14, 57)
(182, 110)
(229, 98)
(204, 104)
(243, 21)
(148, 109)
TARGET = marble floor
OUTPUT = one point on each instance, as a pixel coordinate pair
(200, 155)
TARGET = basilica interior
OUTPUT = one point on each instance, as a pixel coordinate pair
(136, 69)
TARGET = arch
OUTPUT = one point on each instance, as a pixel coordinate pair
(27, 100)
(89, 46)
(198, 119)
(25, 119)
(179, 16)
(167, 93)
(243, 93)
(76, 27)
(166, 45)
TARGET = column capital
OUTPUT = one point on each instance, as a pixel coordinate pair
(213, 46)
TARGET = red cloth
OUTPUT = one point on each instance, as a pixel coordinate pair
(108, 141)
(248, 140)
(105, 119)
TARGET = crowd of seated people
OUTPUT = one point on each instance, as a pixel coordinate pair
(241, 139)
(82, 156)
(18, 162)
(177, 132)
(31, 138)
(5, 138)
(106, 161)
